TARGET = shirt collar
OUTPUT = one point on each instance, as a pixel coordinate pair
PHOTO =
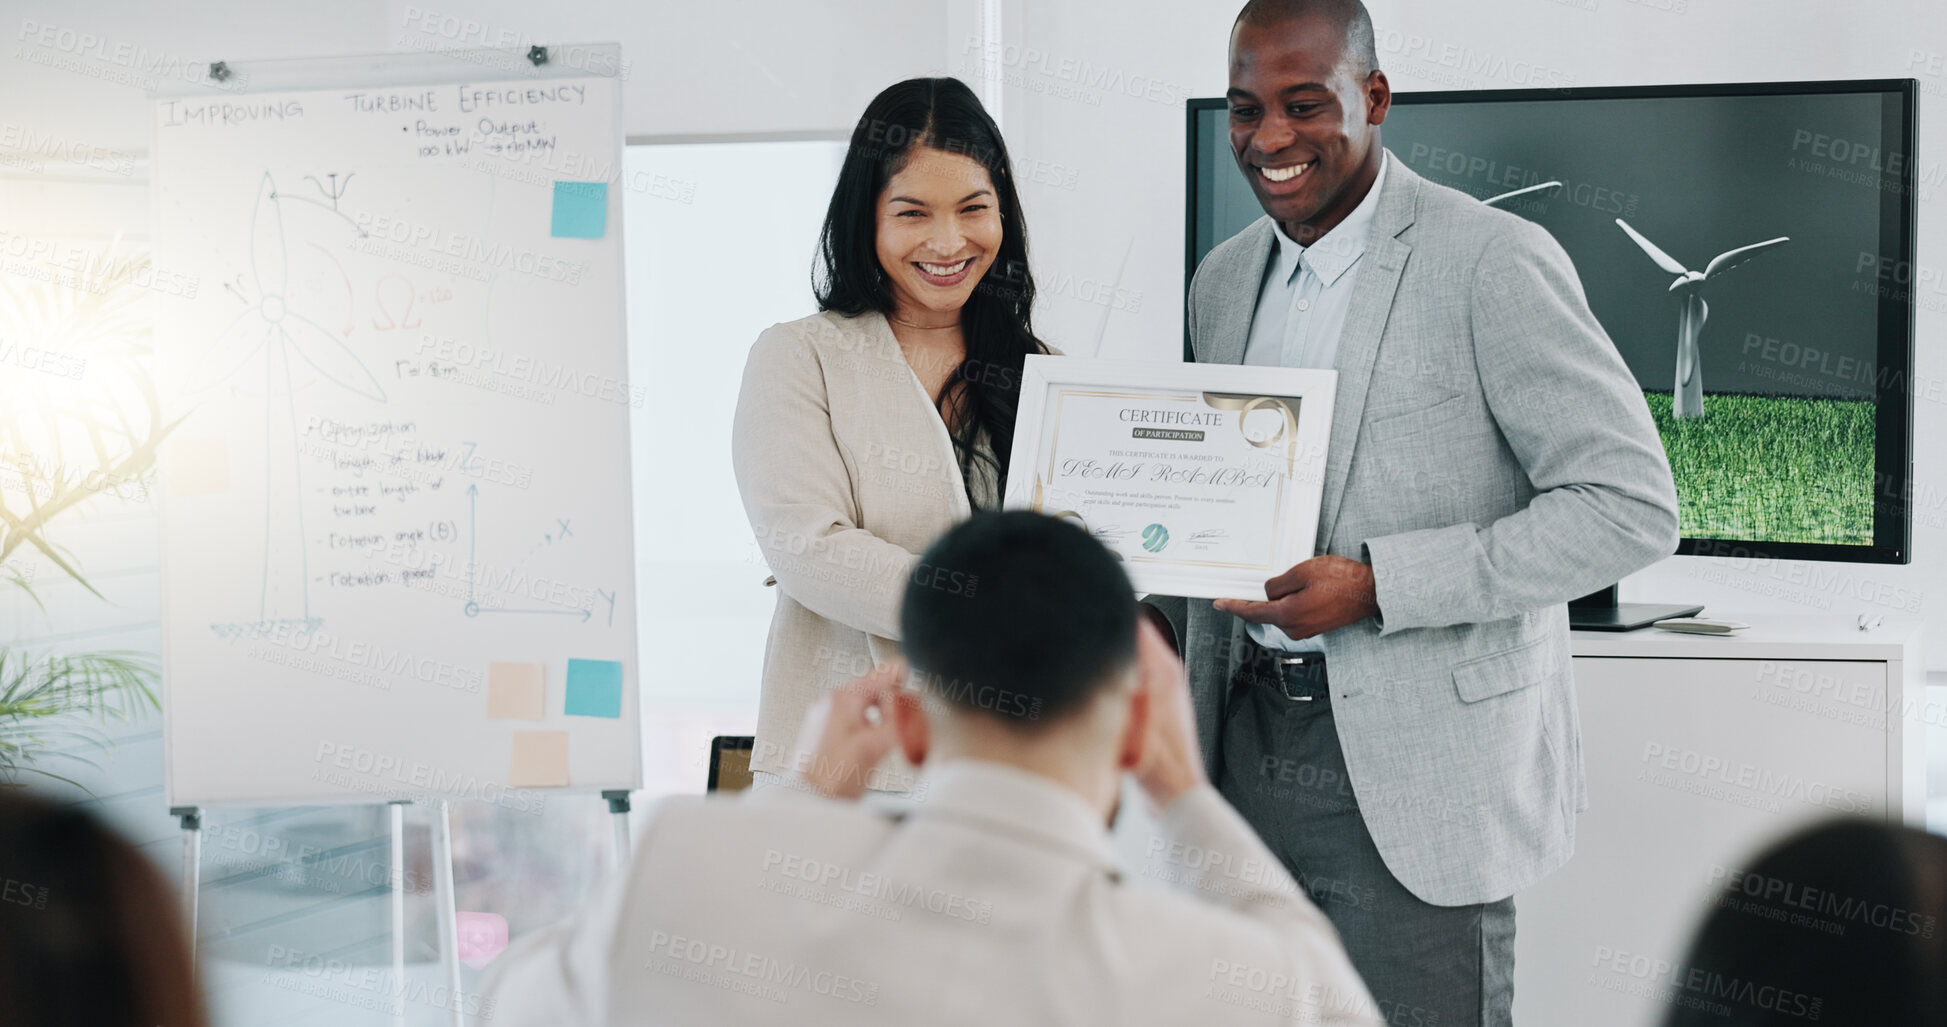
(1331, 255)
(1019, 803)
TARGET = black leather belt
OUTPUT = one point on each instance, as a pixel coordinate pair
(1301, 676)
(1297, 676)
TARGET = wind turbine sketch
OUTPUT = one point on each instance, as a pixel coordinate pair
(1495, 201)
(275, 327)
(1687, 398)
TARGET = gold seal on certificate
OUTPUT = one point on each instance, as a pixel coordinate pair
(1204, 478)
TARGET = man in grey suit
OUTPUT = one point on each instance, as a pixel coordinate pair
(1491, 458)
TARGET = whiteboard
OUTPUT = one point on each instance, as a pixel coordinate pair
(397, 548)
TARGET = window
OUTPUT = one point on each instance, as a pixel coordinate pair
(718, 241)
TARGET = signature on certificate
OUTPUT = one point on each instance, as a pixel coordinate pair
(1208, 535)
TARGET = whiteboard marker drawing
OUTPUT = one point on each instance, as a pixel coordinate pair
(473, 607)
(331, 195)
(547, 539)
(333, 191)
(275, 326)
(472, 535)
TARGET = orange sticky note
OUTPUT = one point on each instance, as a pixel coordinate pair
(540, 760)
(517, 691)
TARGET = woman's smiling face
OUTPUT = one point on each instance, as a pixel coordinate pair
(939, 228)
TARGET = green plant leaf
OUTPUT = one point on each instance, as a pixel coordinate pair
(34, 689)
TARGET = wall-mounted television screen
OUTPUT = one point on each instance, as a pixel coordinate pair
(1779, 373)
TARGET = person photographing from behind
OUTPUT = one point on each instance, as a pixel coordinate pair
(995, 896)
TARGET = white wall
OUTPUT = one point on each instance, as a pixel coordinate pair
(734, 66)
(84, 80)
(704, 608)
(1096, 95)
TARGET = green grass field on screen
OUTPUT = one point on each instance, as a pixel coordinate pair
(1772, 468)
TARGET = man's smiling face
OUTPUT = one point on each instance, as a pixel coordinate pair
(1303, 117)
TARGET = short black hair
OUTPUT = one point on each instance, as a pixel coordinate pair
(1351, 17)
(1019, 616)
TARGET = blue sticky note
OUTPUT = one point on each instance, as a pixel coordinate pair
(594, 688)
(580, 210)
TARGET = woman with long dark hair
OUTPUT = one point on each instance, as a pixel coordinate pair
(866, 430)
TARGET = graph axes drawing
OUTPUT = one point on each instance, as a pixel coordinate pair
(473, 607)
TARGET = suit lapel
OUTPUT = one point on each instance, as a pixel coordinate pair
(1226, 317)
(1365, 322)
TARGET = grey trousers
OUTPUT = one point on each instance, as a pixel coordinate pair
(1426, 965)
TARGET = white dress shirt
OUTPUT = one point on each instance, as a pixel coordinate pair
(1300, 313)
(994, 897)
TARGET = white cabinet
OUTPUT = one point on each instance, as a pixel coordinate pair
(1701, 751)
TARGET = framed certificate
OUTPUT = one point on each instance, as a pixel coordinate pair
(1204, 478)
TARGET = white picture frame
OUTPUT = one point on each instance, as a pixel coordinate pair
(1205, 479)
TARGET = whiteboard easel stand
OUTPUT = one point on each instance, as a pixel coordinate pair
(191, 818)
(444, 896)
(397, 808)
(449, 914)
(618, 806)
(383, 66)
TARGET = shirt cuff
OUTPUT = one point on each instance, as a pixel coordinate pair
(1379, 618)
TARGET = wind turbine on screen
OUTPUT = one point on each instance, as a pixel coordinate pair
(1687, 398)
(1544, 187)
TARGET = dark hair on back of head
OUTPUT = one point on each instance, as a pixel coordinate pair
(1019, 616)
(1839, 923)
(89, 931)
(1351, 17)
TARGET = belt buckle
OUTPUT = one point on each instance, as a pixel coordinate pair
(1284, 687)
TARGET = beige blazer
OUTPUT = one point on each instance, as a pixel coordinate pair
(847, 474)
(994, 898)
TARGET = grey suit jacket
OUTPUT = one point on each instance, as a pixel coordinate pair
(1491, 458)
